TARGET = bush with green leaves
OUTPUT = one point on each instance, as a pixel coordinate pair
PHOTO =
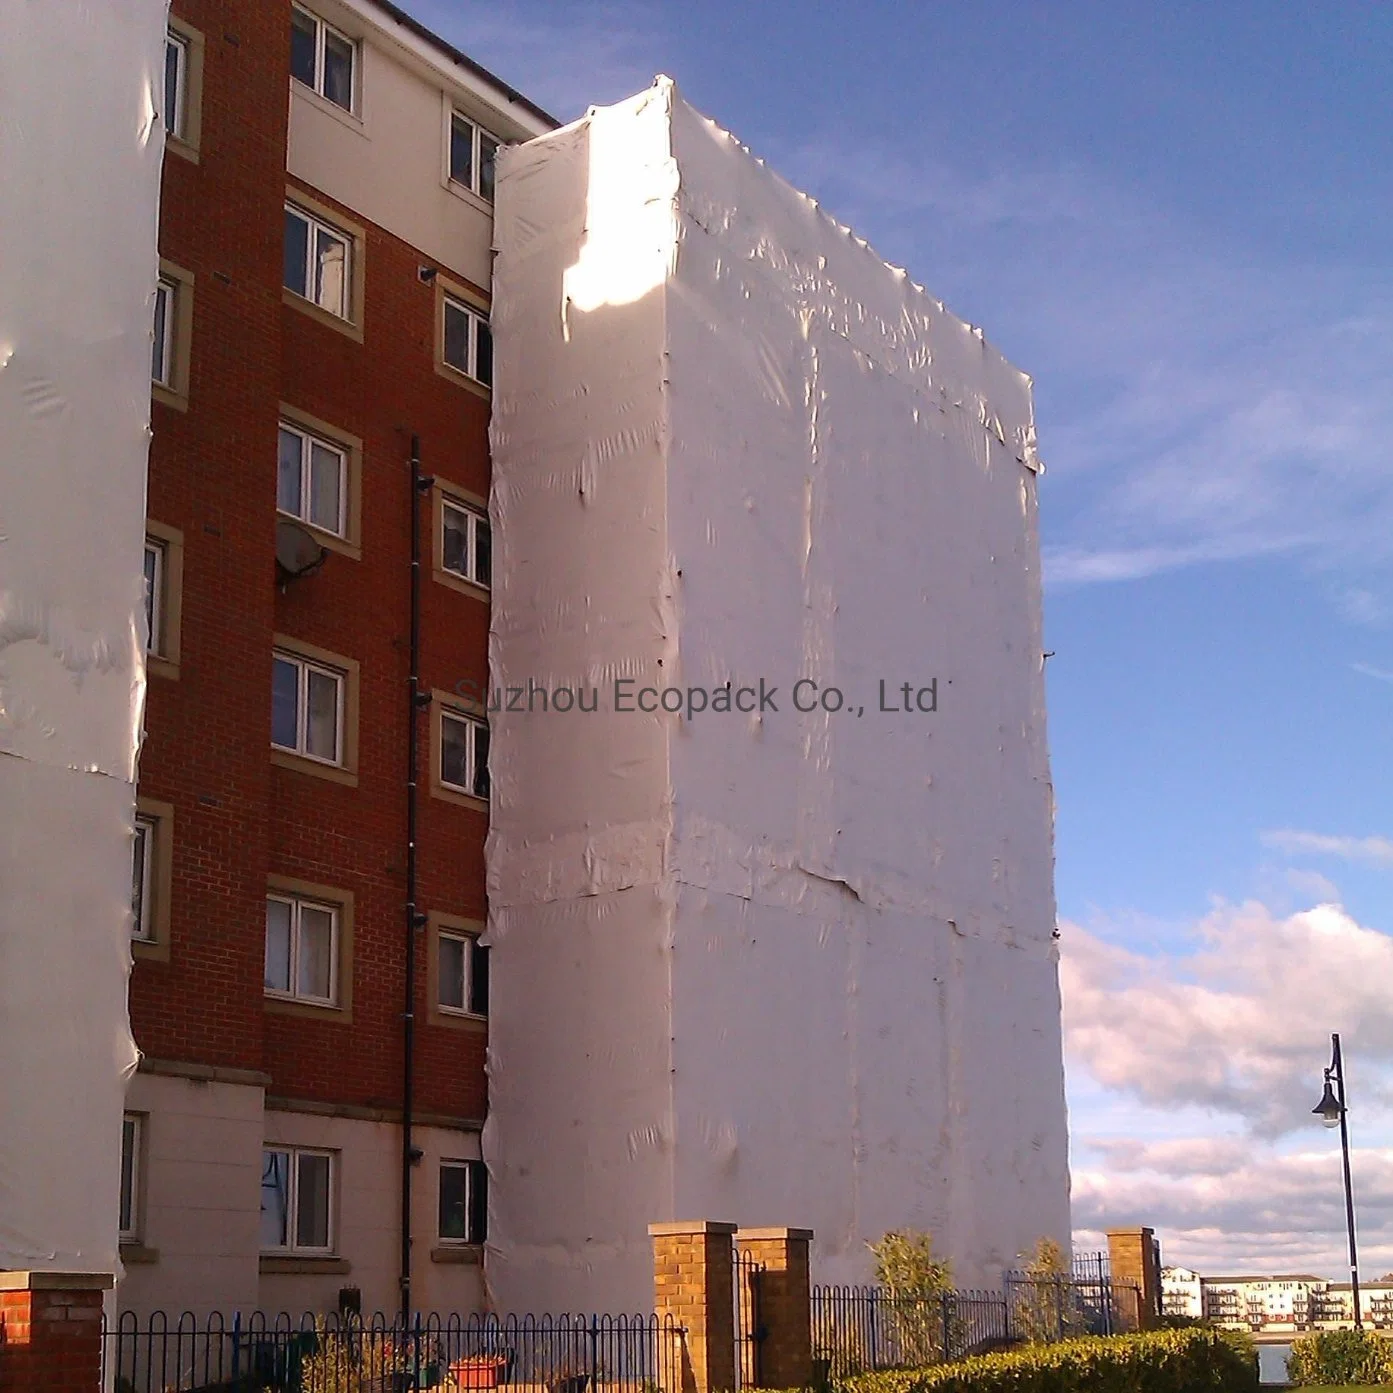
(1339, 1357)
(1157, 1361)
(914, 1283)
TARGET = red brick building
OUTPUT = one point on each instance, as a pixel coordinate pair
(325, 240)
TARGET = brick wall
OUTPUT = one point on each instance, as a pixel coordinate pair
(212, 475)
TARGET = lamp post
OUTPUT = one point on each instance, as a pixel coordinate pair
(1331, 1110)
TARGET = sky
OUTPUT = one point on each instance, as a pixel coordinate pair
(1176, 219)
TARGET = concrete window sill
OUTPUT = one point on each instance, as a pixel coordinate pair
(295, 1263)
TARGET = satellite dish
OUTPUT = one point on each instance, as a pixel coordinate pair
(297, 552)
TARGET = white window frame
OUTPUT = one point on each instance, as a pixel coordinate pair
(476, 319)
(147, 831)
(163, 329)
(316, 226)
(308, 439)
(154, 596)
(292, 1223)
(303, 667)
(322, 29)
(469, 1168)
(471, 946)
(129, 1199)
(297, 903)
(476, 164)
(176, 123)
(473, 724)
(475, 516)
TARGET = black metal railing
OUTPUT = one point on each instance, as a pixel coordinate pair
(260, 1353)
(856, 1328)
(750, 1330)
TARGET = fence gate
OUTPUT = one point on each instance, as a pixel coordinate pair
(749, 1322)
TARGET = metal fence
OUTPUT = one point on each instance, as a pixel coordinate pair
(259, 1353)
(860, 1328)
(750, 1330)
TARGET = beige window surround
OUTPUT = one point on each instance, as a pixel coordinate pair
(340, 1011)
(346, 771)
(180, 327)
(351, 543)
(350, 326)
(165, 663)
(472, 299)
(186, 143)
(444, 492)
(155, 948)
(455, 705)
(436, 924)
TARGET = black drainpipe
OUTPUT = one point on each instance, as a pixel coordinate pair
(415, 920)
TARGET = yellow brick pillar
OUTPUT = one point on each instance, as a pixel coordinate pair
(693, 1282)
(784, 1304)
(1135, 1267)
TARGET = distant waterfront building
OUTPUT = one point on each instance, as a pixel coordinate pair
(1182, 1292)
(1287, 1303)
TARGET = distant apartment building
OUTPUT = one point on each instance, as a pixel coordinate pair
(325, 269)
(1277, 1305)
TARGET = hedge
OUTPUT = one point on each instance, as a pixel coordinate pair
(1158, 1361)
(1339, 1357)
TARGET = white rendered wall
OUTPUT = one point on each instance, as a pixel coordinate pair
(778, 968)
(80, 169)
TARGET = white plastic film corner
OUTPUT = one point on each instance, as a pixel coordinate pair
(772, 966)
(77, 278)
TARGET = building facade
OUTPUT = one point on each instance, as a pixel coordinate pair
(1284, 1304)
(323, 314)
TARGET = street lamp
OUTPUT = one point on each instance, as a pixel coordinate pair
(1332, 1112)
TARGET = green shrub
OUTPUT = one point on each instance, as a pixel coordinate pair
(913, 1281)
(1340, 1357)
(1159, 1361)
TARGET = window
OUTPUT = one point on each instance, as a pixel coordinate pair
(312, 480)
(162, 356)
(462, 974)
(171, 336)
(154, 594)
(164, 583)
(142, 878)
(307, 708)
(466, 544)
(318, 262)
(322, 58)
(464, 754)
(464, 1199)
(151, 878)
(131, 1129)
(302, 940)
(176, 84)
(472, 155)
(468, 342)
(296, 1190)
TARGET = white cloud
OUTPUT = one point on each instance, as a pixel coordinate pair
(1373, 851)
(1377, 673)
(1240, 1025)
(1236, 1207)
(1192, 1079)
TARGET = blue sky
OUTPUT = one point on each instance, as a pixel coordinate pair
(1176, 218)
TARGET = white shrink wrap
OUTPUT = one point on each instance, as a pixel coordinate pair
(80, 153)
(775, 967)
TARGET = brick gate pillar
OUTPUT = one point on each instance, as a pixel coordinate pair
(51, 1331)
(693, 1282)
(1134, 1266)
(785, 1304)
